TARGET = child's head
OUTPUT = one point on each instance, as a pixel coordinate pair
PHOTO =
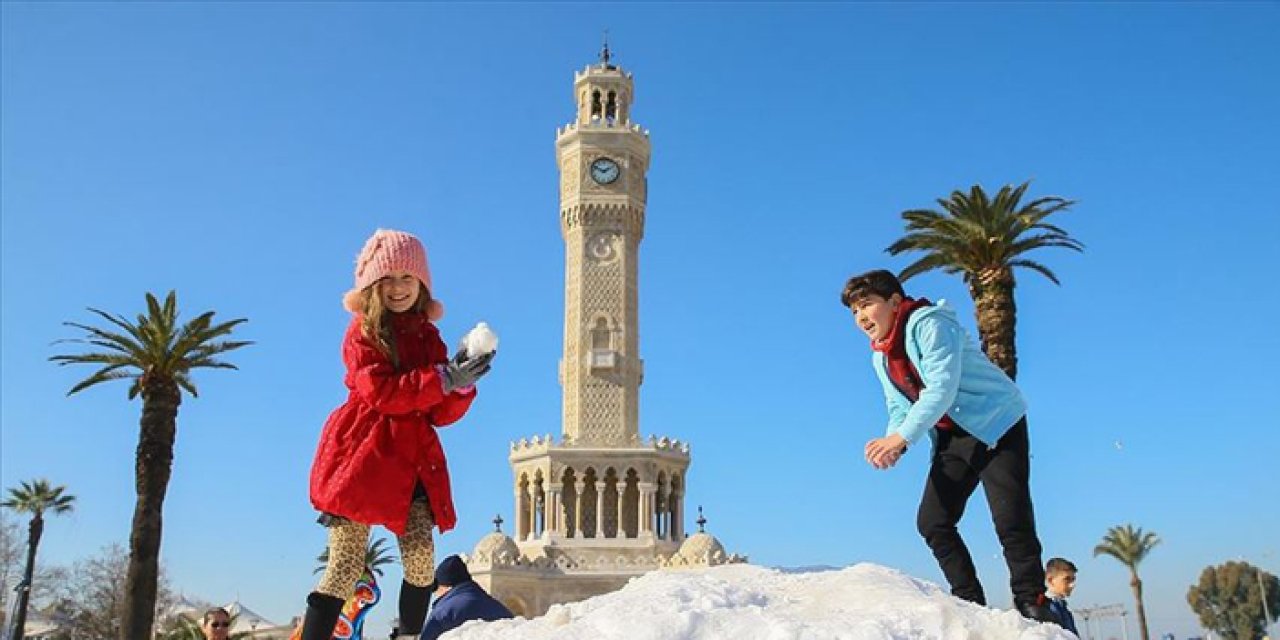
(1060, 576)
(873, 297)
(392, 275)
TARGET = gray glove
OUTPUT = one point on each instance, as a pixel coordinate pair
(463, 371)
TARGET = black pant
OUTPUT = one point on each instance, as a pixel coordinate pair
(960, 461)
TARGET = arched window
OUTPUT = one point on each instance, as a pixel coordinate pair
(609, 519)
(590, 498)
(570, 501)
(601, 336)
(596, 107)
(631, 504)
(524, 523)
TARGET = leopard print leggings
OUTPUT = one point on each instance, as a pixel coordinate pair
(347, 542)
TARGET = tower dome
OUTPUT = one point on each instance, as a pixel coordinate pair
(496, 547)
(704, 549)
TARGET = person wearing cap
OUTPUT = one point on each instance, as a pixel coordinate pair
(459, 600)
(380, 461)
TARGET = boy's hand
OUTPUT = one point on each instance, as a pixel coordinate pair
(883, 453)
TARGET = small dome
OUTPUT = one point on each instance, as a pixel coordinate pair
(702, 548)
(495, 547)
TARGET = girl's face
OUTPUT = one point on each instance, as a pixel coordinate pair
(398, 291)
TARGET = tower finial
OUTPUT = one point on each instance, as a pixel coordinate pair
(702, 521)
(604, 50)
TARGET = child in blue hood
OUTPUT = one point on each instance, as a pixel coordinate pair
(938, 383)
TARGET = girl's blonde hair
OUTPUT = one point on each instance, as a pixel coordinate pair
(375, 324)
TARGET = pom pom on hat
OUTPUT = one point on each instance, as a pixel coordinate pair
(385, 252)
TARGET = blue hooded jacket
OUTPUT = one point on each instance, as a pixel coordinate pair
(959, 381)
(463, 603)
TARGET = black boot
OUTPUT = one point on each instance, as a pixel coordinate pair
(322, 616)
(413, 609)
(1038, 610)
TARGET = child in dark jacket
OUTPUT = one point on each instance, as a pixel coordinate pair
(1060, 578)
(938, 383)
(461, 600)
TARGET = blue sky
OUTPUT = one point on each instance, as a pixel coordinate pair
(241, 153)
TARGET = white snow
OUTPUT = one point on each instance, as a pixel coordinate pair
(480, 340)
(745, 602)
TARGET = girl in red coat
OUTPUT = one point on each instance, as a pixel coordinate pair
(379, 459)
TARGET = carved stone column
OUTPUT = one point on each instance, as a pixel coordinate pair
(679, 524)
(664, 510)
(553, 524)
(646, 508)
(599, 528)
(621, 532)
(580, 485)
(522, 515)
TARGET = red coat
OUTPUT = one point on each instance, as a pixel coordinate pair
(382, 440)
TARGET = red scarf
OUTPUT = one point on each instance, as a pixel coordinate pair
(902, 373)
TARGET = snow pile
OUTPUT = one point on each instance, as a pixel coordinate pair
(744, 602)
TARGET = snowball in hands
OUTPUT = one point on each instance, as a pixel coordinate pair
(480, 340)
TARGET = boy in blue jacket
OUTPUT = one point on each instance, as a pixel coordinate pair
(460, 600)
(937, 382)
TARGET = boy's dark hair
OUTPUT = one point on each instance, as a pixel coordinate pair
(879, 283)
(213, 611)
(1059, 565)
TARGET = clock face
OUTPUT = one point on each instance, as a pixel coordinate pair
(604, 170)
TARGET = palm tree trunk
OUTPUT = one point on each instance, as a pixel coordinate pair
(1136, 583)
(997, 315)
(158, 429)
(34, 531)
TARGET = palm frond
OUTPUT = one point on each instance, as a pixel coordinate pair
(94, 358)
(184, 381)
(923, 265)
(1036, 266)
(106, 374)
(119, 321)
(124, 344)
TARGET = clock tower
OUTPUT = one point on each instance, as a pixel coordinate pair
(603, 159)
(601, 505)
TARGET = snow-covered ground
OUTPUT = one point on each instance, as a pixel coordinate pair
(745, 602)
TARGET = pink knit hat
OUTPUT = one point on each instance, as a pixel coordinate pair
(386, 252)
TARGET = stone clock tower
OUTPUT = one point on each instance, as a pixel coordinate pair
(601, 505)
(603, 159)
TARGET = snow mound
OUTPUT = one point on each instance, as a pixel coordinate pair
(745, 602)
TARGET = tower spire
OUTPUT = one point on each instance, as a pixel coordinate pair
(605, 55)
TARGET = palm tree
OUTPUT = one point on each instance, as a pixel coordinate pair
(35, 497)
(1130, 546)
(984, 240)
(374, 557)
(157, 355)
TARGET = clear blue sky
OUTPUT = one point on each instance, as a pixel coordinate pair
(241, 153)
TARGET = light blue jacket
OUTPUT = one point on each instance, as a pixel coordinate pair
(959, 381)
